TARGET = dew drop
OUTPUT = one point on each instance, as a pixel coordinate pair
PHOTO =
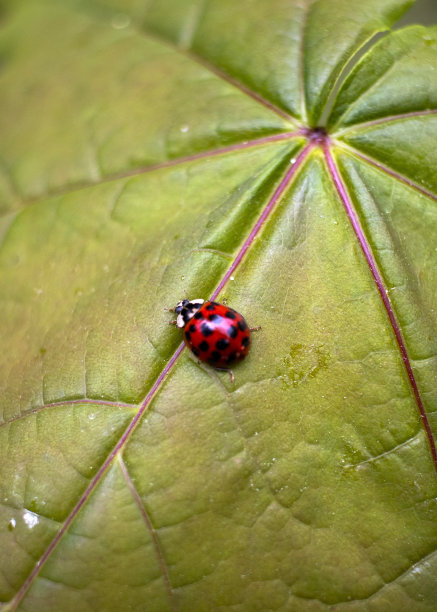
(30, 519)
(12, 524)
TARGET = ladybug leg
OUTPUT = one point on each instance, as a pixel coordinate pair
(224, 301)
(230, 372)
(213, 374)
(172, 322)
(255, 328)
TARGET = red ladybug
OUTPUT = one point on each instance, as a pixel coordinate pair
(214, 332)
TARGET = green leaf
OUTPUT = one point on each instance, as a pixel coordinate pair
(155, 148)
(284, 50)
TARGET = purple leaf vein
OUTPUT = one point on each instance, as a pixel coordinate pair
(285, 182)
(396, 175)
(353, 218)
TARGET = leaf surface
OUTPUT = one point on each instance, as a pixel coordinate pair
(152, 149)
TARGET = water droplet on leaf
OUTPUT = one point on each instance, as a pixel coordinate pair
(30, 519)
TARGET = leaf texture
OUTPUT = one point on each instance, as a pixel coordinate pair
(155, 148)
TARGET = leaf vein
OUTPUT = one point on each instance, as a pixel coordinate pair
(278, 192)
(221, 74)
(156, 544)
(85, 400)
(386, 119)
(375, 83)
(365, 246)
(393, 173)
(414, 439)
(240, 146)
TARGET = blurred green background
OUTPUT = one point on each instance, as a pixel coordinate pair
(424, 12)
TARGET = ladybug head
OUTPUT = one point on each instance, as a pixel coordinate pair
(180, 305)
(185, 309)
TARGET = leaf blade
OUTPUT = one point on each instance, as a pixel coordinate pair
(310, 484)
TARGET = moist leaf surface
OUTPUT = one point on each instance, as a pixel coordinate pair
(155, 148)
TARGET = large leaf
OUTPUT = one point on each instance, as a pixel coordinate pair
(153, 148)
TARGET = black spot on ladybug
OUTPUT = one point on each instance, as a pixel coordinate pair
(215, 356)
(198, 315)
(231, 357)
(232, 331)
(214, 317)
(188, 336)
(210, 306)
(206, 329)
(230, 315)
(192, 329)
(242, 325)
(246, 341)
(222, 344)
(195, 351)
(204, 346)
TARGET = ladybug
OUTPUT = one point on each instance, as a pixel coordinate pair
(215, 333)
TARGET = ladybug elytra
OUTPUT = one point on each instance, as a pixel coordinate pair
(215, 333)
